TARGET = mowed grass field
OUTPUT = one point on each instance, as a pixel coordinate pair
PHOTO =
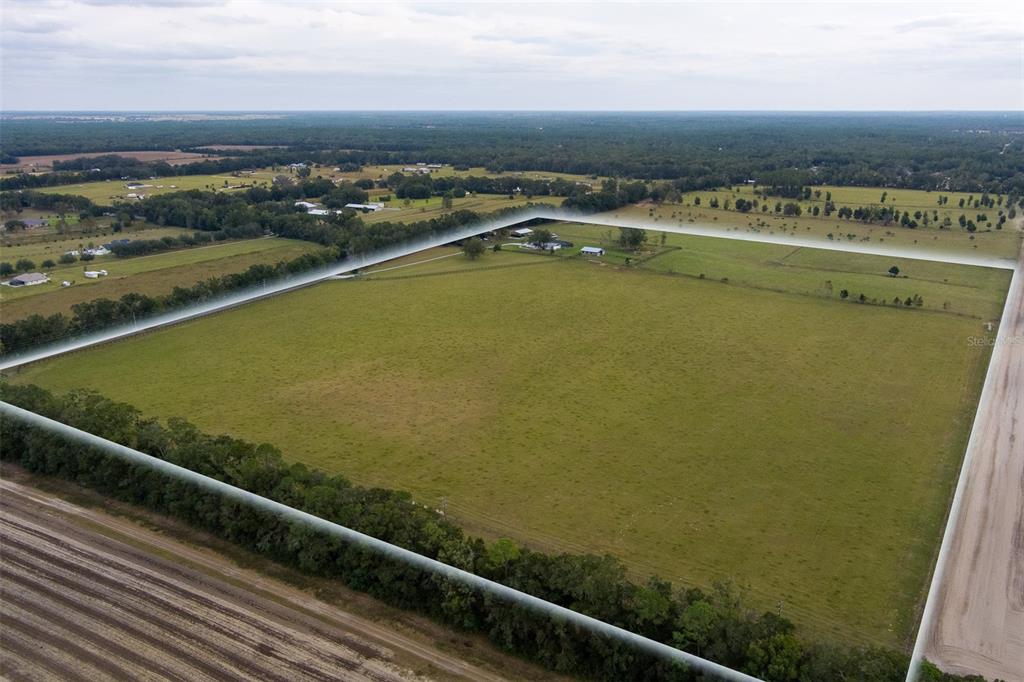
(987, 241)
(801, 447)
(153, 274)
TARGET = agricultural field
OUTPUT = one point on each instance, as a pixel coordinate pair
(106, 191)
(697, 429)
(424, 209)
(152, 274)
(45, 162)
(93, 591)
(987, 241)
(956, 289)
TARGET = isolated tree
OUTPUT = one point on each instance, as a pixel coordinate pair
(6, 269)
(24, 265)
(48, 264)
(67, 258)
(844, 293)
(632, 238)
(541, 235)
(473, 248)
(894, 271)
(446, 200)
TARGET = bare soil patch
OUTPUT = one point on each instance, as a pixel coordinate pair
(87, 595)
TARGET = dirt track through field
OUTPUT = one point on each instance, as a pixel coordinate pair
(979, 611)
(87, 596)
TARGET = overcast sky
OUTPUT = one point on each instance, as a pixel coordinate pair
(255, 55)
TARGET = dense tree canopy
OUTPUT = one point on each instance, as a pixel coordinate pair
(942, 151)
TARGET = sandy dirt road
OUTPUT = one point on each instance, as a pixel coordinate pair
(89, 596)
(979, 612)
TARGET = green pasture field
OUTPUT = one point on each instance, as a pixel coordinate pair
(986, 242)
(377, 172)
(54, 245)
(104, 192)
(184, 266)
(956, 289)
(801, 447)
(425, 209)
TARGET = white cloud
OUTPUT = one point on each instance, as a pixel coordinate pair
(258, 54)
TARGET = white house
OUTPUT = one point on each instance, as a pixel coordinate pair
(317, 211)
(522, 232)
(95, 274)
(365, 207)
(98, 251)
(592, 251)
(305, 204)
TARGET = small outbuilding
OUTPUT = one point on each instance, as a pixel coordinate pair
(522, 232)
(592, 251)
(28, 279)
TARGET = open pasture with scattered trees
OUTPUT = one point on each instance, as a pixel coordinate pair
(697, 429)
(909, 218)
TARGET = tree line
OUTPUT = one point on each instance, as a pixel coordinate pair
(92, 316)
(938, 151)
(715, 623)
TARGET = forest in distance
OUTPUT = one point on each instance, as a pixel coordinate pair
(939, 151)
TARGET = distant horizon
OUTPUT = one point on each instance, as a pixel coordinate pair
(511, 111)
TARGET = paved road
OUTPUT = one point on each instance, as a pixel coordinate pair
(977, 624)
(88, 596)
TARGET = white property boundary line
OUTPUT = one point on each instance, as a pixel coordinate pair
(353, 263)
(1001, 346)
(386, 549)
(414, 246)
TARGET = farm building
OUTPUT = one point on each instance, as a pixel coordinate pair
(28, 279)
(592, 251)
(317, 211)
(95, 274)
(365, 207)
(522, 232)
(305, 204)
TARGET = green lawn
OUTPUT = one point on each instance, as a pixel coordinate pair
(803, 447)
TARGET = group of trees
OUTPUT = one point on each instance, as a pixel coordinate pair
(612, 195)
(715, 623)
